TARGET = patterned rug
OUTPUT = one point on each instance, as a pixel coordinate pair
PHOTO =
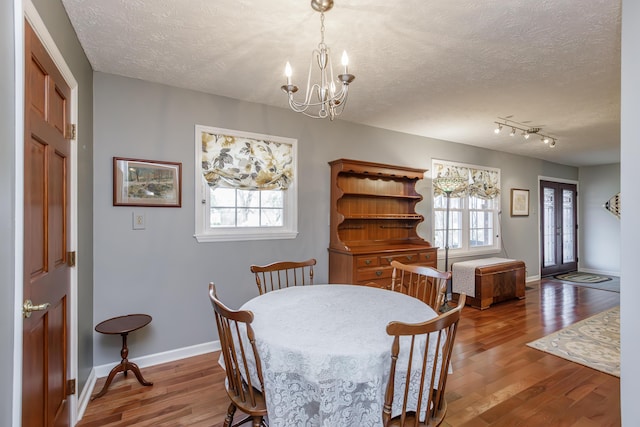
(593, 342)
(579, 277)
(611, 284)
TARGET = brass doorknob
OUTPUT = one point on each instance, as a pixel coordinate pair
(28, 307)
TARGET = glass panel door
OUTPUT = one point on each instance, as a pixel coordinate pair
(558, 227)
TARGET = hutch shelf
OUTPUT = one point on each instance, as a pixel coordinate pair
(373, 222)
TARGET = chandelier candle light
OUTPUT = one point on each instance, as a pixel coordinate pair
(322, 99)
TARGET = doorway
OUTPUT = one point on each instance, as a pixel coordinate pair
(558, 227)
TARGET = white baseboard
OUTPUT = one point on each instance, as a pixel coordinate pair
(532, 278)
(142, 362)
(601, 272)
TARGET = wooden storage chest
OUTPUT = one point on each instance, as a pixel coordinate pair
(494, 282)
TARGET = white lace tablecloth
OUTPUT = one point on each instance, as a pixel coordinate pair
(463, 274)
(325, 351)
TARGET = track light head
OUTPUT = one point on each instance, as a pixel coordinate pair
(526, 134)
(513, 132)
(498, 129)
(545, 139)
(553, 143)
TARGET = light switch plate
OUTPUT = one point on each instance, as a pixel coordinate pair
(139, 221)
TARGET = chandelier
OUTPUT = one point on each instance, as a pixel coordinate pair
(322, 99)
(526, 132)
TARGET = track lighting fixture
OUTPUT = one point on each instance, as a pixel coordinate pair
(526, 131)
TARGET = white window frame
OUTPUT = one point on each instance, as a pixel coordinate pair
(466, 250)
(205, 233)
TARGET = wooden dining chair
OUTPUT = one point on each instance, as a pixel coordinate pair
(241, 389)
(424, 379)
(425, 283)
(283, 274)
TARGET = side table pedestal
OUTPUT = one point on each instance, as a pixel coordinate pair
(122, 325)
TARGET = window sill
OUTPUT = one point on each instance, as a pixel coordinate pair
(237, 236)
(468, 254)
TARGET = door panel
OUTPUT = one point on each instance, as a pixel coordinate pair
(558, 222)
(57, 207)
(35, 217)
(46, 222)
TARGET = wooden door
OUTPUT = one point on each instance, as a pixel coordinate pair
(558, 227)
(46, 226)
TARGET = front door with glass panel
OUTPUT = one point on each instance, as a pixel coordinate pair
(558, 227)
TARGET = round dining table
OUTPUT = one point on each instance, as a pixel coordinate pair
(325, 352)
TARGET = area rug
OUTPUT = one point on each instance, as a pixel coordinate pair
(580, 277)
(611, 284)
(593, 342)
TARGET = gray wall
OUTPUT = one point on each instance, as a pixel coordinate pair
(55, 18)
(629, 224)
(7, 207)
(127, 282)
(599, 250)
(164, 272)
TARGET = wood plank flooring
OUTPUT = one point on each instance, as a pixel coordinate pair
(496, 381)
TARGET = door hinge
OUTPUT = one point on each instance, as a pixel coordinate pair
(71, 387)
(71, 131)
(71, 259)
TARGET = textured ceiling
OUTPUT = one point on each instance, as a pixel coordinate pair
(439, 68)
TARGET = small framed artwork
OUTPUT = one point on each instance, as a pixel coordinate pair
(519, 202)
(139, 182)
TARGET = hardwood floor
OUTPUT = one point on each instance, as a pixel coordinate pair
(496, 381)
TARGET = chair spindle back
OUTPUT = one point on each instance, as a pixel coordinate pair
(283, 274)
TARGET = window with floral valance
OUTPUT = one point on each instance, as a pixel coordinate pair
(474, 208)
(246, 185)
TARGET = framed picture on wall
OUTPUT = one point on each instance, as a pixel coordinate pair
(139, 182)
(519, 202)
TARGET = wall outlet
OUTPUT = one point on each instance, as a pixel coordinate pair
(138, 221)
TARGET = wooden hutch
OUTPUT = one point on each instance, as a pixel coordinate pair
(373, 222)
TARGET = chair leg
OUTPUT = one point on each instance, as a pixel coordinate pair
(257, 421)
(230, 412)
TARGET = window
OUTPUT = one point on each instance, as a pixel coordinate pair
(474, 208)
(245, 186)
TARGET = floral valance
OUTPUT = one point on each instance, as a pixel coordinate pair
(247, 163)
(485, 184)
(472, 180)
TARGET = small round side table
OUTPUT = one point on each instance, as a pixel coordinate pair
(123, 325)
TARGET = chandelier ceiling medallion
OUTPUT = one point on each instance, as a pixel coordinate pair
(526, 132)
(322, 99)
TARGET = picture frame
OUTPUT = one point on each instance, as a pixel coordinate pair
(153, 183)
(519, 202)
